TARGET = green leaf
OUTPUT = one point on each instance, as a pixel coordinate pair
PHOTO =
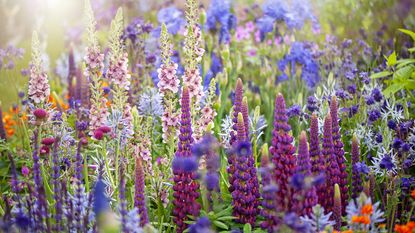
(403, 73)
(380, 74)
(224, 218)
(408, 32)
(391, 59)
(220, 225)
(392, 89)
(247, 228)
(404, 62)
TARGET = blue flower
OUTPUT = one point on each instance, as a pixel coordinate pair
(219, 12)
(265, 24)
(173, 19)
(186, 164)
(101, 203)
(362, 168)
(297, 181)
(275, 9)
(387, 163)
(202, 225)
(243, 148)
(392, 124)
(294, 110)
(212, 181)
(374, 115)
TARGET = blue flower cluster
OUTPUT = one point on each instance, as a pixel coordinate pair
(219, 12)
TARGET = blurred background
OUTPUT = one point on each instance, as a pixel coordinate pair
(60, 25)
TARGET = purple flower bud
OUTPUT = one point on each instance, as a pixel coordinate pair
(40, 113)
(25, 171)
(98, 134)
(48, 141)
(392, 124)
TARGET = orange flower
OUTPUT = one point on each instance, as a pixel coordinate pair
(407, 228)
(346, 231)
(367, 209)
(413, 194)
(361, 219)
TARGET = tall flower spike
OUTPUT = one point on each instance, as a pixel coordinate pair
(186, 188)
(237, 105)
(269, 190)
(304, 167)
(357, 186)
(245, 114)
(2, 130)
(39, 89)
(339, 152)
(139, 196)
(332, 169)
(57, 186)
(337, 208)
(317, 158)
(282, 154)
(246, 193)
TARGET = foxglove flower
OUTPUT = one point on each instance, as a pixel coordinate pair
(118, 72)
(185, 189)
(339, 152)
(357, 186)
(282, 154)
(168, 81)
(39, 89)
(332, 168)
(98, 115)
(139, 196)
(246, 193)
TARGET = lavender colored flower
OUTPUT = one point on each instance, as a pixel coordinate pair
(294, 222)
(139, 195)
(172, 17)
(312, 103)
(294, 110)
(101, 201)
(392, 124)
(387, 163)
(357, 187)
(202, 225)
(377, 95)
(317, 158)
(374, 115)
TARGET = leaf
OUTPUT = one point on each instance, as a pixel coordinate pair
(392, 89)
(403, 73)
(391, 59)
(224, 212)
(404, 62)
(381, 74)
(247, 228)
(224, 218)
(408, 32)
(220, 225)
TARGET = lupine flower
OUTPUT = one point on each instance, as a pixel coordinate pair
(304, 168)
(282, 154)
(39, 89)
(139, 197)
(339, 152)
(185, 185)
(357, 187)
(332, 168)
(246, 193)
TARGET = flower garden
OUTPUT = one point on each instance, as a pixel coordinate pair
(208, 116)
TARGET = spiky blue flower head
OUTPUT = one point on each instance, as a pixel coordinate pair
(387, 163)
(150, 103)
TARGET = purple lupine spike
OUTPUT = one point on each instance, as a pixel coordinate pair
(282, 154)
(186, 187)
(245, 114)
(139, 196)
(332, 169)
(317, 159)
(123, 202)
(304, 167)
(40, 211)
(337, 208)
(2, 130)
(69, 206)
(237, 104)
(339, 152)
(78, 189)
(245, 197)
(269, 190)
(56, 186)
(357, 186)
(15, 183)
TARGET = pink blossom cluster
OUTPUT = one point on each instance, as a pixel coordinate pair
(168, 80)
(39, 89)
(170, 122)
(128, 121)
(198, 46)
(192, 80)
(118, 72)
(244, 32)
(143, 150)
(207, 116)
(94, 61)
(98, 115)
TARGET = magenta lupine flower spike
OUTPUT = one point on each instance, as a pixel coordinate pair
(2, 130)
(339, 152)
(332, 169)
(185, 189)
(237, 104)
(282, 154)
(139, 196)
(268, 211)
(357, 186)
(304, 167)
(317, 158)
(245, 114)
(246, 193)
(337, 208)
